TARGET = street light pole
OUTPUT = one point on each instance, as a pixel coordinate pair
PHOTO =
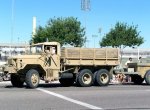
(99, 31)
(12, 25)
(85, 6)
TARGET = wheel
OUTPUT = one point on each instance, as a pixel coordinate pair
(66, 81)
(136, 79)
(101, 78)
(16, 80)
(84, 78)
(32, 78)
(147, 77)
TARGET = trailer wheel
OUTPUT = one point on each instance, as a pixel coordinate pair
(101, 78)
(147, 77)
(84, 78)
(16, 80)
(32, 78)
(66, 81)
(136, 79)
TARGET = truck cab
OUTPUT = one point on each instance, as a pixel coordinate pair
(41, 61)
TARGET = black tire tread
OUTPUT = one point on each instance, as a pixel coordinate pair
(28, 78)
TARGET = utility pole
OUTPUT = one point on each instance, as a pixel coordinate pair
(85, 6)
(33, 28)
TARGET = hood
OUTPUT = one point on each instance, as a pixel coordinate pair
(24, 56)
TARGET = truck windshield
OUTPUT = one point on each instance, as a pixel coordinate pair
(34, 49)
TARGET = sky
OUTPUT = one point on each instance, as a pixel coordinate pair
(16, 17)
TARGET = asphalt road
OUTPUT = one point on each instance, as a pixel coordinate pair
(55, 97)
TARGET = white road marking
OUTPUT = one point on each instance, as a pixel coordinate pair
(69, 99)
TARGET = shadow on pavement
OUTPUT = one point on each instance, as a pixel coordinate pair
(48, 85)
(55, 85)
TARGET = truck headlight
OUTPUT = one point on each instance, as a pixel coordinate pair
(12, 62)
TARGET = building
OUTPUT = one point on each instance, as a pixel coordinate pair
(8, 49)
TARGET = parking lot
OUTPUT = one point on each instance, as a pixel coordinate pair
(54, 97)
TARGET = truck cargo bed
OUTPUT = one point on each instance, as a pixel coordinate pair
(90, 56)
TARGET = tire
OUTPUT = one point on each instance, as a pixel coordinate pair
(147, 77)
(32, 78)
(16, 80)
(136, 79)
(84, 78)
(101, 77)
(66, 81)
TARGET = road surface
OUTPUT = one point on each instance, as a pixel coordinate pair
(55, 97)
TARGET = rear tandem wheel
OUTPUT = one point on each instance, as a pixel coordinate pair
(84, 78)
(101, 77)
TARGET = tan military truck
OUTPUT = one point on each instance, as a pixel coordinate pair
(49, 62)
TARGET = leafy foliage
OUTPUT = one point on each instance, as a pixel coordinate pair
(121, 36)
(63, 30)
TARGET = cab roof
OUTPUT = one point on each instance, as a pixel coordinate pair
(47, 43)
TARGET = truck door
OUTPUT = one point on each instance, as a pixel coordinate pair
(52, 62)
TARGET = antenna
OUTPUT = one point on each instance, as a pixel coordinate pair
(85, 6)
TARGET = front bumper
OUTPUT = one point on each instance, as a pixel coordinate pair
(9, 69)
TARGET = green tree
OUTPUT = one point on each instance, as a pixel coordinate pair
(63, 30)
(121, 36)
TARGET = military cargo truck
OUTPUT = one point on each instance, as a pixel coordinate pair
(49, 62)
